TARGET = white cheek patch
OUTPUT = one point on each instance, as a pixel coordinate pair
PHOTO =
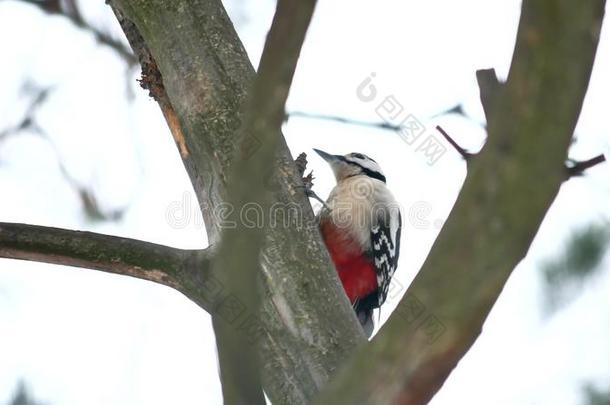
(344, 169)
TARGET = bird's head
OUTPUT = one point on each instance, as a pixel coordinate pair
(352, 164)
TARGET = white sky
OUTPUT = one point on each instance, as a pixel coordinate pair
(79, 336)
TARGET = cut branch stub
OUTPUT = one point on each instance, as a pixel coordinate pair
(489, 87)
(578, 168)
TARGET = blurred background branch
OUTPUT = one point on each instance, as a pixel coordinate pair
(71, 11)
(28, 123)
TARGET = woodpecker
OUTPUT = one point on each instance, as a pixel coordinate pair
(360, 224)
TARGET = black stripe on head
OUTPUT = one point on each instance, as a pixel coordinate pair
(370, 173)
(366, 171)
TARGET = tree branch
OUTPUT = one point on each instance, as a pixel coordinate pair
(111, 254)
(29, 123)
(507, 193)
(239, 363)
(344, 120)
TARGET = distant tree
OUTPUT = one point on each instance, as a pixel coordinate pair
(581, 258)
(597, 396)
(22, 397)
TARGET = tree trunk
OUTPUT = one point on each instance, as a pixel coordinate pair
(204, 76)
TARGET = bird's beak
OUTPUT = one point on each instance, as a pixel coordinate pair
(326, 156)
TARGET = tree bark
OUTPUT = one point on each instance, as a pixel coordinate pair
(238, 256)
(202, 82)
(111, 254)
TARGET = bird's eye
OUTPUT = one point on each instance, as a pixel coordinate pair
(358, 155)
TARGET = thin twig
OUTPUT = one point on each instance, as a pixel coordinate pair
(343, 120)
(28, 122)
(457, 109)
(465, 154)
(72, 12)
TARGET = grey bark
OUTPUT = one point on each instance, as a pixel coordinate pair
(240, 247)
(112, 254)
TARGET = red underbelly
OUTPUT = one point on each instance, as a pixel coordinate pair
(356, 271)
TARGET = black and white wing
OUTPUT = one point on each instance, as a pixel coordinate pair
(385, 241)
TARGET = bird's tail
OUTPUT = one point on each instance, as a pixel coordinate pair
(365, 316)
(364, 310)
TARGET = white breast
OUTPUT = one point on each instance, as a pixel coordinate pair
(356, 204)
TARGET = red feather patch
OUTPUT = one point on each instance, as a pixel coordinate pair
(356, 270)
